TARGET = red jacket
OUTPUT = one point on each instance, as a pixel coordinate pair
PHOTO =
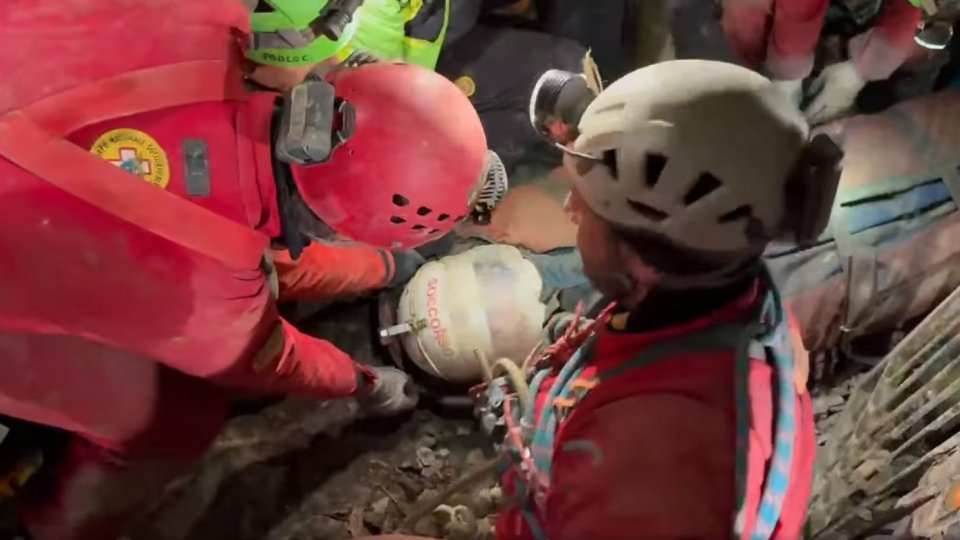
(782, 35)
(112, 278)
(650, 454)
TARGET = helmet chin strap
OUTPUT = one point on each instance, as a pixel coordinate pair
(721, 277)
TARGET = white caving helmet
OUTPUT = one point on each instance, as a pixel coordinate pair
(484, 299)
(698, 152)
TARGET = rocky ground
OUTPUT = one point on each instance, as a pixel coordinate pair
(300, 470)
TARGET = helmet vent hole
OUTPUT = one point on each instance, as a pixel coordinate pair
(434, 231)
(397, 220)
(654, 166)
(443, 217)
(610, 160)
(646, 211)
(263, 7)
(706, 184)
(461, 218)
(419, 227)
(400, 200)
(737, 213)
(423, 211)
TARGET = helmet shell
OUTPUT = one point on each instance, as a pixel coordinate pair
(413, 164)
(702, 152)
(486, 299)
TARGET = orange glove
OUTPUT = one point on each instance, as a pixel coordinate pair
(326, 272)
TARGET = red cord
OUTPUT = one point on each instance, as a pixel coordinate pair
(573, 336)
(513, 434)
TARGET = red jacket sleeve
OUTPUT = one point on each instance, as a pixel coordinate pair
(881, 50)
(658, 466)
(780, 35)
(288, 361)
(330, 272)
(793, 38)
(745, 24)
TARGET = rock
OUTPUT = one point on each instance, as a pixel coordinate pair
(408, 465)
(488, 500)
(376, 513)
(475, 458)
(827, 403)
(426, 457)
(463, 431)
(462, 525)
(427, 495)
(427, 440)
(428, 527)
(355, 524)
(443, 453)
(486, 530)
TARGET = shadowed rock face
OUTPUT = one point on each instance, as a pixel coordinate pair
(299, 471)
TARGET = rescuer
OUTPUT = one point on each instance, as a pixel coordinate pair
(681, 410)
(144, 194)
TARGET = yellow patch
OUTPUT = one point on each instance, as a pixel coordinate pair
(135, 152)
(467, 85)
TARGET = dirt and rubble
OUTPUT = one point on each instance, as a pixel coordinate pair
(307, 470)
(303, 470)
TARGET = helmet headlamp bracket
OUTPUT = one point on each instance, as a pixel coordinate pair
(306, 129)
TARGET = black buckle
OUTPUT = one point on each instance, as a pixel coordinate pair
(306, 123)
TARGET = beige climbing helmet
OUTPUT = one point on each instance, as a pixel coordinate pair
(701, 153)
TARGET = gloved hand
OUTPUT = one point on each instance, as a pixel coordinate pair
(834, 91)
(405, 265)
(792, 89)
(392, 393)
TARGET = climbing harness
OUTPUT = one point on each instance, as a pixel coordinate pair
(529, 441)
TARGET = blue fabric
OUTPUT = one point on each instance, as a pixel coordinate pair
(861, 216)
(559, 269)
(777, 345)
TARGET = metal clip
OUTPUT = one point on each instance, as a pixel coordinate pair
(403, 328)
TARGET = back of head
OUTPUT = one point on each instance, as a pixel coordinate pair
(697, 157)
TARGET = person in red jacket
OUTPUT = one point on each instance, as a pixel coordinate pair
(780, 37)
(150, 201)
(680, 410)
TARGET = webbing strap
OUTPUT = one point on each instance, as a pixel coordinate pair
(33, 139)
(136, 92)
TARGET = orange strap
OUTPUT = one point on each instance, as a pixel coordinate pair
(33, 139)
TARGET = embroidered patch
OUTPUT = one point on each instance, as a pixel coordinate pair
(135, 152)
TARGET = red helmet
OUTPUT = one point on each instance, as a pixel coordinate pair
(411, 164)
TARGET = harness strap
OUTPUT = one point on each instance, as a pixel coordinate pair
(31, 137)
(775, 339)
(767, 336)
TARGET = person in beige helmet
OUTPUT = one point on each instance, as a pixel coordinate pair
(679, 408)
